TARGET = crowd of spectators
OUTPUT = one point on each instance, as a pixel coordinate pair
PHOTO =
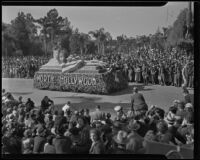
(144, 66)
(22, 66)
(46, 129)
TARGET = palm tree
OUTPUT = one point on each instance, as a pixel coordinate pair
(101, 37)
(83, 41)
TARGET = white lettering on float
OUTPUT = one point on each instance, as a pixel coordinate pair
(71, 79)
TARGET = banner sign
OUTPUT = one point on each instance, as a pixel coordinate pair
(79, 82)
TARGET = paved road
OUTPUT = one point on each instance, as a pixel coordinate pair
(162, 96)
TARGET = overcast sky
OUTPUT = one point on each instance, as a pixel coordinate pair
(130, 21)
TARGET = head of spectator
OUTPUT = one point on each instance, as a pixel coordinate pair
(176, 102)
(119, 110)
(162, 127)
(135, 90)
(108, 116)
(188, 107)
(185, 92)
(180, 105)
(60, 130)
(95, 135)
(86, 112)
(133, 126)
(98, 107)
(81, 122)
(150, 135)
(41, 131)
(3, 91)
(20, 98)
(121, 138)
(27, 133)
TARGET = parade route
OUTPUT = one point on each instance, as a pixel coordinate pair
(162, 96)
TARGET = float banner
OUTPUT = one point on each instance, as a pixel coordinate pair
(80, 82)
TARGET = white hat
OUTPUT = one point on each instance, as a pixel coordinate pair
(117, 108)
(66, 107)
(188, 105)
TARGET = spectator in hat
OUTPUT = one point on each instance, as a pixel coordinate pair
(121, 140)
(83, 146)
(181, 110)
(74, 135)
(39, 140)
(3, 92)
(45, 103)
(174, 132)
(87, 115)
(60, 119)
(120, 114)
(109, 121)
(138, 104)
(163, 135)
(133, 128)
(97, 114)
(29, 105)
(67, 111)
(189, 108)
(97, 146)
(187, 96)
(62, 143)
(187, 125)
(171, 116)
(74, 118)
(27, 142)
(176, 102)
(106, 136)
(48, 147)
(20, 100)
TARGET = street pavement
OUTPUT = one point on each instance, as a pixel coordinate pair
(162, 96)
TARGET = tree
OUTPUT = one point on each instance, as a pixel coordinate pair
(8, 39)
(101, 37)
(24, 30)
(83, 41)
(51, 25)
(179, 28)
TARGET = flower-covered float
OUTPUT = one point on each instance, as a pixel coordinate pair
(79, 76)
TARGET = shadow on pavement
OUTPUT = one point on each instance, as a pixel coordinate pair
(129, 90)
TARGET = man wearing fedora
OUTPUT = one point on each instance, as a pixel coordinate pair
(138, 104)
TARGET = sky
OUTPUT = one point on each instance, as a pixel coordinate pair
(130, 21)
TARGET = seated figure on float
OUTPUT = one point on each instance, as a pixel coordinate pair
(63, 62)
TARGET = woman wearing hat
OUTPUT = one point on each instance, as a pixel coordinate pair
(97, 146)
(121, 140)
(133, 128)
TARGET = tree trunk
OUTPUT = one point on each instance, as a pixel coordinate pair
(45, 46)
(6, 50)
(103, 48)
(81, 49)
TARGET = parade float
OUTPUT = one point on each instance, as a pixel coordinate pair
(78, 75)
